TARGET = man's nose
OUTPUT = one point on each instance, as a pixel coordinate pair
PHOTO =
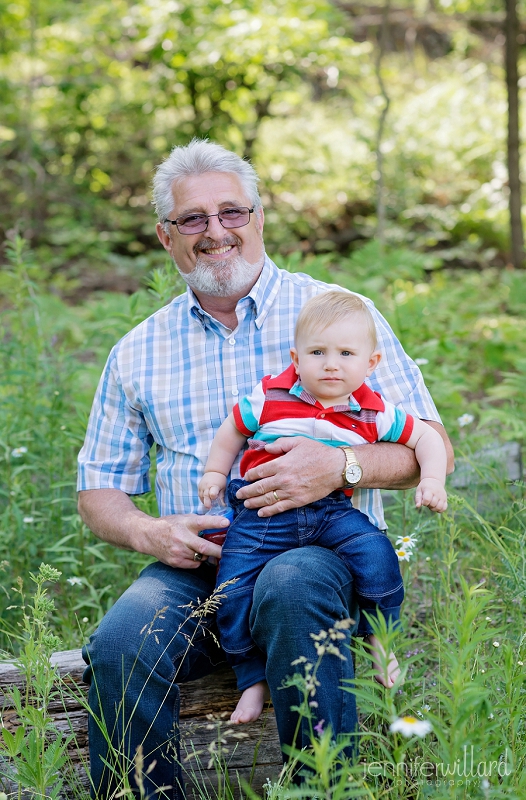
(214, 229)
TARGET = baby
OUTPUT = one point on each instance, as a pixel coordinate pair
(322, 396)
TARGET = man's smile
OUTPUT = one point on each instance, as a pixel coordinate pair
(206, 246)
(217, 251)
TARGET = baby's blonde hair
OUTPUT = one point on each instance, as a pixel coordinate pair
(325, 309)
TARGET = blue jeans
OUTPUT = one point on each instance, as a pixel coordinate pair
(252, 541)
(140, 653)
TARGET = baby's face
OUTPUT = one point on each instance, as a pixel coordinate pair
(332, 363)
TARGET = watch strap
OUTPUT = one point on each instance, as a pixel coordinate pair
(350, 460)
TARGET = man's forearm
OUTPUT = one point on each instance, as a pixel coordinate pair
(387, 465)
(173, 539)
(306, 470)
(113, 517)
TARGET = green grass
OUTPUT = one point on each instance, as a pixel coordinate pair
(463, 649)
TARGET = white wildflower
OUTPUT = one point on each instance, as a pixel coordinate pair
(75, 581)
(28, 520)
(465, 419)
(18, 452)
(407, 542)
(411, 726)
(403, 555)
(421, 361)
(496, 644)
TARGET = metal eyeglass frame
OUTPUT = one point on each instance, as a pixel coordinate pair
(176, 222)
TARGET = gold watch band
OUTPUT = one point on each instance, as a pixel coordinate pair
(350, 457)
(350, 461)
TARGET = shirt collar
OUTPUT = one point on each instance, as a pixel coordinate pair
(262, 295)
(298, 391)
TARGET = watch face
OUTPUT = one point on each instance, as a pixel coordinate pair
(353, 473)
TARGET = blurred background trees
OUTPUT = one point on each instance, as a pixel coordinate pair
(94, 95)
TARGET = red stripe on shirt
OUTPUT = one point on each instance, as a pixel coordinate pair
(238, 419)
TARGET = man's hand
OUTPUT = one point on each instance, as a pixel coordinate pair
(174, 540)
(306, 471)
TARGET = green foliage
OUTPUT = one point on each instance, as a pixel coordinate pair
(45, 396)
(37, 750)
(95, 96)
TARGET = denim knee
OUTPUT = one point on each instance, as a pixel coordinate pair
(149, 624)
(300, 580)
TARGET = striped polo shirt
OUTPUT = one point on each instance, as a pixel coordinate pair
(280, 406)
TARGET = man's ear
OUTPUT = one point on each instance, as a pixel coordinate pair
(260, 220)
(374, 360)
(164, 237)
(294, 357)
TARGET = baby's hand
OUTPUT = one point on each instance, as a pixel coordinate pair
(211, 486)
(430, 492)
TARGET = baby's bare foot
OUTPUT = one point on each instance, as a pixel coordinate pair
(251, 703)
(386, 674)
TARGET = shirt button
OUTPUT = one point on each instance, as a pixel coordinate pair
(322, 416)
(231, 340)
(235, 392)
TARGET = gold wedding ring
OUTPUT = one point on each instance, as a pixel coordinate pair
(276, 496)
(198, 556)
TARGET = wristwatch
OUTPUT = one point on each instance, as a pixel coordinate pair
(352, 474)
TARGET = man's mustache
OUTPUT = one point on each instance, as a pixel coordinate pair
(206, 244)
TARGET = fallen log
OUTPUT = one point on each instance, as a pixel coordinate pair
(203, 722)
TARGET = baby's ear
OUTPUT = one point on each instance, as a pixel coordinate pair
(374, 360)
(294, 359)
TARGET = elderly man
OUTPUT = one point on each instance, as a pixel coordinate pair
(171, 382)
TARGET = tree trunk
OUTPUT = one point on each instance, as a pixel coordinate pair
(511, 29)
(380, 181)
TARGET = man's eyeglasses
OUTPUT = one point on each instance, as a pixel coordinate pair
(197, 223)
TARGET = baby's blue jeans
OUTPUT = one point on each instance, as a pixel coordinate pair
(252, 541)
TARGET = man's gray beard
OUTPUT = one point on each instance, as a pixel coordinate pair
(221, 278)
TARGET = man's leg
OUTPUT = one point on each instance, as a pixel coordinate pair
(146, 644)
(298, 593)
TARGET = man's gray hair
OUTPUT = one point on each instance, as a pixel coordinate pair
(196, 158)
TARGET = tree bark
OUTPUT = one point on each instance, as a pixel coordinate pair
(511, 29)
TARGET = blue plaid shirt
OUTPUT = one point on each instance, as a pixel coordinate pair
(174, 378)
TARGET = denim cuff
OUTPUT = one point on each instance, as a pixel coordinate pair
(249, 672)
